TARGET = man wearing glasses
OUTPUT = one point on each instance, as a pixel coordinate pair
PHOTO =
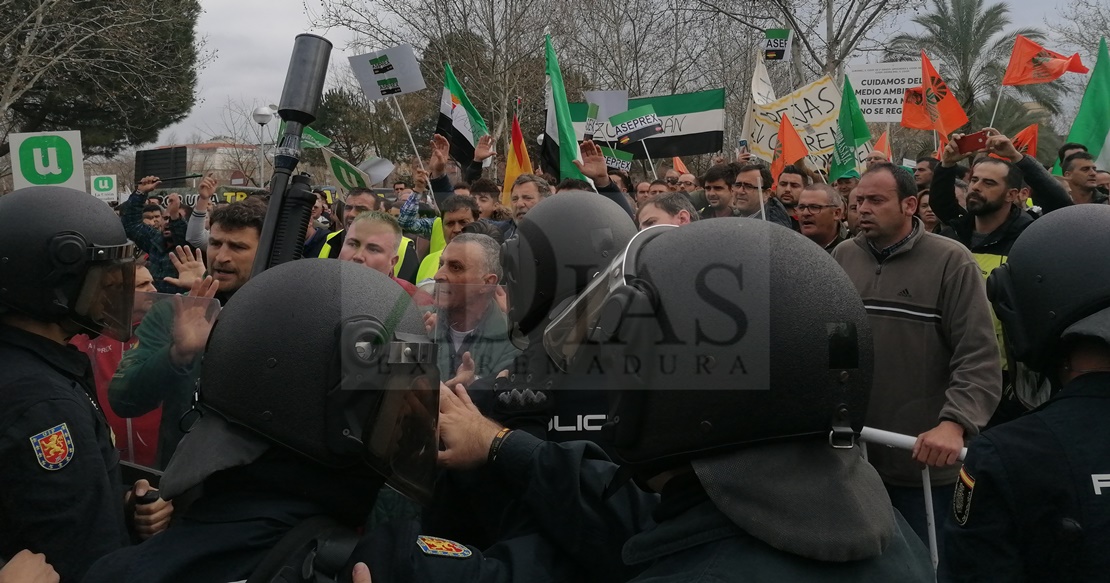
(752, 195)
(819, 209)
(671, 178)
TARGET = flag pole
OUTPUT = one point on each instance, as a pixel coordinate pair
(889, 142)
(419, 160)
(996, 104)
(650, 163)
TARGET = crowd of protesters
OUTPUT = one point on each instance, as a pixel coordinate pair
(917, 244)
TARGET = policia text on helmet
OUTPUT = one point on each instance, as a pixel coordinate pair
(739, 379)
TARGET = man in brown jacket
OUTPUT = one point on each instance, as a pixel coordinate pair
(937, 369)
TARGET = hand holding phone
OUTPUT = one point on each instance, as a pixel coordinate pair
(972, 142)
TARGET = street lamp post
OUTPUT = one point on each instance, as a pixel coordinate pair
(262, 116)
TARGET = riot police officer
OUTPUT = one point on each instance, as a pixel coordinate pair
(317, 387)
(741, 377)
(1033, 499)
(66, 267)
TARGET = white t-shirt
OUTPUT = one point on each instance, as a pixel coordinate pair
(457, 337)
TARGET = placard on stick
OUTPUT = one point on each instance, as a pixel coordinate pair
(388, 72)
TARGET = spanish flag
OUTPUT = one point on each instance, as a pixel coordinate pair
(942, 106)
(791, 148)
(1031, 63)
(517, 162)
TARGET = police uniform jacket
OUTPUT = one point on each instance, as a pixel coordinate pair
(695, 542)
(1033, 500)
(60, 488)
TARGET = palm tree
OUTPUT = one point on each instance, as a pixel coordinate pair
(970, 39)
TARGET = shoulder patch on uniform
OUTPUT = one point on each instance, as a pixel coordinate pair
(961, 499)
(53, 447)
(441, 547)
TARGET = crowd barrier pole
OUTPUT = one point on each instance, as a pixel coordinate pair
(906, 442)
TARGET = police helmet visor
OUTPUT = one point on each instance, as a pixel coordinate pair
(399, 432)
(573, 325)
(107, 295)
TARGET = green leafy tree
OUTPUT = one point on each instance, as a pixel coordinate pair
(118, 70)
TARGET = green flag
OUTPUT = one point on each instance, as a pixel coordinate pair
(310, 138)
(1092, 123)
(560, 143)
(851, 133)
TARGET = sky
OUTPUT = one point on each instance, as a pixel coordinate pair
(252, 40)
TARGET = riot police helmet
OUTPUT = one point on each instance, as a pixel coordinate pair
(1043, 298)
(718, 334)
(326, 359)
(65, 258)
(561, 245)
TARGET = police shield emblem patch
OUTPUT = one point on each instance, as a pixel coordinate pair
(53, 447)
(441, 547)
(961, 499)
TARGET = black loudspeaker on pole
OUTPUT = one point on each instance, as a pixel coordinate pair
(291, 198)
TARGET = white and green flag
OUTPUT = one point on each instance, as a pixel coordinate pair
(347, 175)
(560, 143)
(459, 120)
(693, 123)
(1092, 123)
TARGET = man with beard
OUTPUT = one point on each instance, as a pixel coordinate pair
(993, 218)
(157, 238)
(792, 181)
(162, 370)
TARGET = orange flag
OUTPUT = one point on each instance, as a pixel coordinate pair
(1031, 63)
(914, 115)
(791, 148)
(883, 145)
(679, 166)
(517, 163)
(1026, 141)
(943, 144)
(942, 106)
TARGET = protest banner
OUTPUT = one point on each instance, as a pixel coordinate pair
(104, 187)
(603, 105)
(388, 72)
(693, 123)
(776, 44)
(346, 174)
(636, 124)
(47, 159)
(881, 88)
(814, 111)
(617, 160)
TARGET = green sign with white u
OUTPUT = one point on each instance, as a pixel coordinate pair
(48, 159)
(346, 174)
(104, 187)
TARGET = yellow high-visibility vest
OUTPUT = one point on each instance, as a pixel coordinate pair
(325, 250)
(428, 267)
(438, 241)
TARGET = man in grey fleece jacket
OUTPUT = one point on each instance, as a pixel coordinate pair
(937, 370)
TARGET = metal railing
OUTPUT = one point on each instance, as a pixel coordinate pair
(906, 442)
